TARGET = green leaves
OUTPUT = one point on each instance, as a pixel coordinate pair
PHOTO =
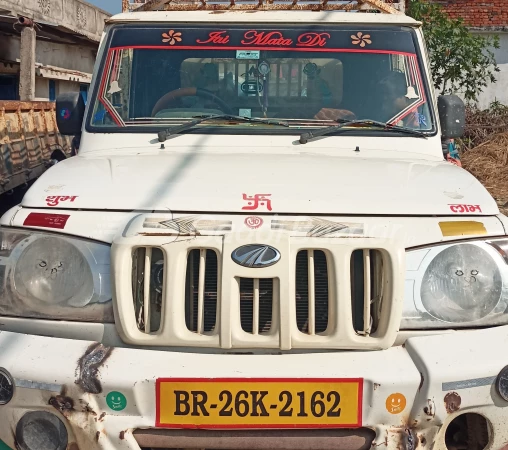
(461, 62)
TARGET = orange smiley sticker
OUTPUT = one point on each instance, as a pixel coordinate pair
(395, 403)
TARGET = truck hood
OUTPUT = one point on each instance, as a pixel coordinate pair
(257, 184)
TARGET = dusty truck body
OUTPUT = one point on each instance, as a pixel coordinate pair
(259, 245)
(29, 142)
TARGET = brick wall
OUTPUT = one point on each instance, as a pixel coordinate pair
(478, 13)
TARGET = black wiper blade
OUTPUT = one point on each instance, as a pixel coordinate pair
(246, 119)
(304, 138)
(163, 135)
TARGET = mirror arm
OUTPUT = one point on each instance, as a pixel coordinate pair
(444, 145)
(75, 144)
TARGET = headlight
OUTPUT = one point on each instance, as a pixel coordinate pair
(48, 276)
(456, 285)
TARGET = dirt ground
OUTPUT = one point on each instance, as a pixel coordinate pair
(503, 207)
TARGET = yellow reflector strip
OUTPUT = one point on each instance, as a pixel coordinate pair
(462, 228)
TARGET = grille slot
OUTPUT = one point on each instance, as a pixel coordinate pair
(201, 291)
(148, 285)
(366, 290)
(256, 305)
(312, 292)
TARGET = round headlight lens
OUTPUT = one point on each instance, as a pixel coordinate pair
(461, 284)
(54, 271)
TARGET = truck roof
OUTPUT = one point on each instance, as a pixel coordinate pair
(265, 17)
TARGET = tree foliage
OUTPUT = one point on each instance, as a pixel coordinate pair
(461, 62)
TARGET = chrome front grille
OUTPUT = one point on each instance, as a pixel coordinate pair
(323, 293)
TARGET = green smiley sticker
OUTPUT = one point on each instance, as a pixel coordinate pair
(116, 401)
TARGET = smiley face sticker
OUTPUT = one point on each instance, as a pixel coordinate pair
(116, 401)
(395, 403)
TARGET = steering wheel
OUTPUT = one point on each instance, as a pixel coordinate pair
(166, 99)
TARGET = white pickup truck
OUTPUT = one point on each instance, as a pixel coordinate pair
(260, 245)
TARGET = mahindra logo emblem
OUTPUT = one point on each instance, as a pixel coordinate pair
(256, 256)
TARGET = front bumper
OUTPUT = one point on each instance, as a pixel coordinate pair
(61, 376)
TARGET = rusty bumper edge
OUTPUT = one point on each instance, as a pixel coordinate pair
(358, 439)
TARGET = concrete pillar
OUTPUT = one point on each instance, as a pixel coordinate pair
(27, 65)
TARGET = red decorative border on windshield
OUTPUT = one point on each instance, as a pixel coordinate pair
(310, 42)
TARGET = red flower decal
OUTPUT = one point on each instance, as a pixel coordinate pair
(172, 37)
(361, 39)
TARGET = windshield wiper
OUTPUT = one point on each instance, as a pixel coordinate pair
(304, 138)
(163, 135)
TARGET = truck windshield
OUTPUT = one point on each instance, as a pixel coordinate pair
(153, 77)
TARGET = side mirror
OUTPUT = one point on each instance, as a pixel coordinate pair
(452, 115)
(70, 111)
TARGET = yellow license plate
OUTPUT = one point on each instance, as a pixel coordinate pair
(259, 403)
